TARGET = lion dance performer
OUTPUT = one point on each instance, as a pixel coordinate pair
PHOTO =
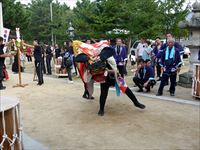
(96, 62)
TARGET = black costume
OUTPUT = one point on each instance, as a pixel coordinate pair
(57, 52)
(38, 64)
(48, 59)
(110, 81)
(43, 64)
(15, 64)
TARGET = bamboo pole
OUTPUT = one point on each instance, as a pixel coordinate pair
(19, 71)
(19, 45)
(19, 66)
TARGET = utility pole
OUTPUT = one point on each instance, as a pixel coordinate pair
(1, 19)
(51, 13)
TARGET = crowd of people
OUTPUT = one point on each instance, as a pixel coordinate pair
(162, 59)
(158, 58)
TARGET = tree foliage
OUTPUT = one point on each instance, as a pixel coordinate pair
(15, 15)
(143, 18)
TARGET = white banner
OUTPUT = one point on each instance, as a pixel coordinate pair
(1, 20)
(6, 33)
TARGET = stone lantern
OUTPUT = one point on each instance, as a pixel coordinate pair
(70, 31)
(192, 23)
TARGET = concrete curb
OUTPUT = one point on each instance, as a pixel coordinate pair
(164, 98)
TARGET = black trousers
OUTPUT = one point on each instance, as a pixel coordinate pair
(165, 77)
(125, 70)
(74, 63)
(86, 93)
(43, 66)
(69, 72)
(104, 93)
(48, 62)
(38, 66)
(158, 69)
(139, 82)
(29, 58)
(1, 76)
(121, 70)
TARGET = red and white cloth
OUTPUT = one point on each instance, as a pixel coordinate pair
(93, 50)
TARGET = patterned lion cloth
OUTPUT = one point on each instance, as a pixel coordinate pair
(91, 64)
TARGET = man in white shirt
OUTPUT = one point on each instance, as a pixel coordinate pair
(140, 49)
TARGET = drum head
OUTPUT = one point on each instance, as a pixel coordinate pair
(7, 103)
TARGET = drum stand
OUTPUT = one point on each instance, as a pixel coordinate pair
(19, 71)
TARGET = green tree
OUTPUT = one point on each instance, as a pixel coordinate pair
(41, 25)
(172, 12)
(83, 19)
(40, 20)
(15, 15)
(147, 18)
(142, 18)
(62, 15)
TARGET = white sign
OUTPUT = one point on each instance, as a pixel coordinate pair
(17, 34)
(1, 20)
(6, 33)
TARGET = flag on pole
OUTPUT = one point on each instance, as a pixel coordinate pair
(1, 20)
(6, 33)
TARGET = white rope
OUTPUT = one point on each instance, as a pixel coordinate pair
(15, 136)
(4, 131)
(20, 140)
(12, 142)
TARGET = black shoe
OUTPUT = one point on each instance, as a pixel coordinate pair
(140, 90)
(148, 90)
(39, 84)
(159, 94)
(172, 94)
(91, 97)
(84, 96)
(101, 113)
(139, 105)
(2, 88)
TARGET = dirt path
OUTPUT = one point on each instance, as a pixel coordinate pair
(57, 116)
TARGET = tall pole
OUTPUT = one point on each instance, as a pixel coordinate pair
(51, 13)
(1, 19)
(18, 45)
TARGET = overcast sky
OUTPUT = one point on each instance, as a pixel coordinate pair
(72, 3)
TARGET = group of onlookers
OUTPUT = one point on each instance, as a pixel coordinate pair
(161, 58)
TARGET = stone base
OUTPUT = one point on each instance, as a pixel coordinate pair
(185, 80)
